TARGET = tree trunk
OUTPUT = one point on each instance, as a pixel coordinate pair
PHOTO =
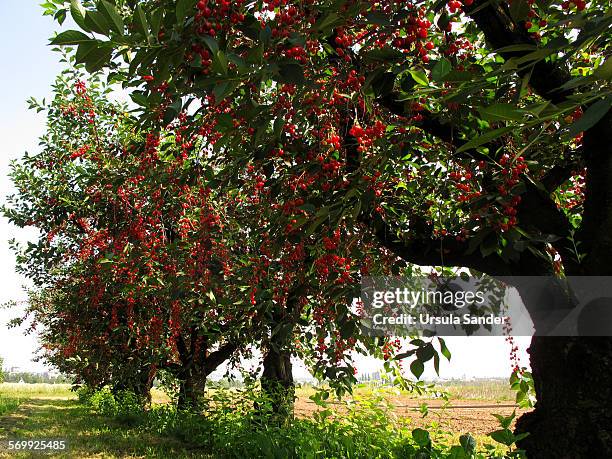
(573, 413)
(144, 384)
(573, 375)
(139, 383)
(277, 383)
(277, 378)
(187, 399)
(572, 417)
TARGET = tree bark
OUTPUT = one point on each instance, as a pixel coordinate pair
(573, 375)
(139, 383)
(277, 383)
(188, 395)
(194, 370)
(572, 416)
(144, 384)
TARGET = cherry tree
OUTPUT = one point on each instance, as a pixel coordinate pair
(456, 134)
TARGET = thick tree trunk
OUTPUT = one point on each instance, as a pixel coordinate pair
(139, 384)
(188, 392)
(572, 416)
(573, 413)
(277, 383)
(194, 370)
(277, 378)
(144, 384)
(573, 375)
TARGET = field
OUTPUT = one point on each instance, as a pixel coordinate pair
(53, 411)
(468, 408)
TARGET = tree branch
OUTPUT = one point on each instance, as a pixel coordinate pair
(500, 31)
(216, 358)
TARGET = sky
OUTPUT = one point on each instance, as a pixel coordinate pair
(28, 69)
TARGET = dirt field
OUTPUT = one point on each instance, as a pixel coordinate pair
(474, 416)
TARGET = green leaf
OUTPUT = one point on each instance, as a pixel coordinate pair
(468, 443)
(377, 17)
(421, 437)
(444, 349)
(436, 359)
(425, 353)
(155, 20)
(384, 54)
(221, 62)
(97, 22)
(489, 245)
(70, 37)
(78, 14)
(60, 16)
(211, 43)
(140, 22)
(503, 436)
(519, 9)
(112, 14)
(291, 74)
(223, 89)
(590, 118)
(520, 436)
(457, 452)
(536, 55)
(484, 138)
(501, 111)
(441, 69)
(538, 108)
(604, 71)
(238, 61)
(139, 99)
(505, 421)
(383, 83)
(84, 50)
(98, 58)
(279, 122)
(516, 48)
(458, 75)
(326, 22)
(417, 368)
(419, 76)
(225, 121)
(182, 8)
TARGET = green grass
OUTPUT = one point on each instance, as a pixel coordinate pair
(485, 389)
(52, 411)
(47, 412)
(88, 434)
(36, 390)
(8, 404)
(482, 389)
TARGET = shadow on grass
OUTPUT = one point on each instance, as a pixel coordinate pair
(87, 434)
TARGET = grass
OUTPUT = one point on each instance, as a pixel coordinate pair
(24, 390)
(8, 404)
(54, 412)
(88, 434)
(497, 390)
(484, 389)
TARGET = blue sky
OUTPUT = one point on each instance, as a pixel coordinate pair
(28, 69)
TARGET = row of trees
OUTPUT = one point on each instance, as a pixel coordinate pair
(282, 150)
(142, 265)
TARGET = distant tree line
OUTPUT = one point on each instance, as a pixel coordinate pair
(33, 378)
